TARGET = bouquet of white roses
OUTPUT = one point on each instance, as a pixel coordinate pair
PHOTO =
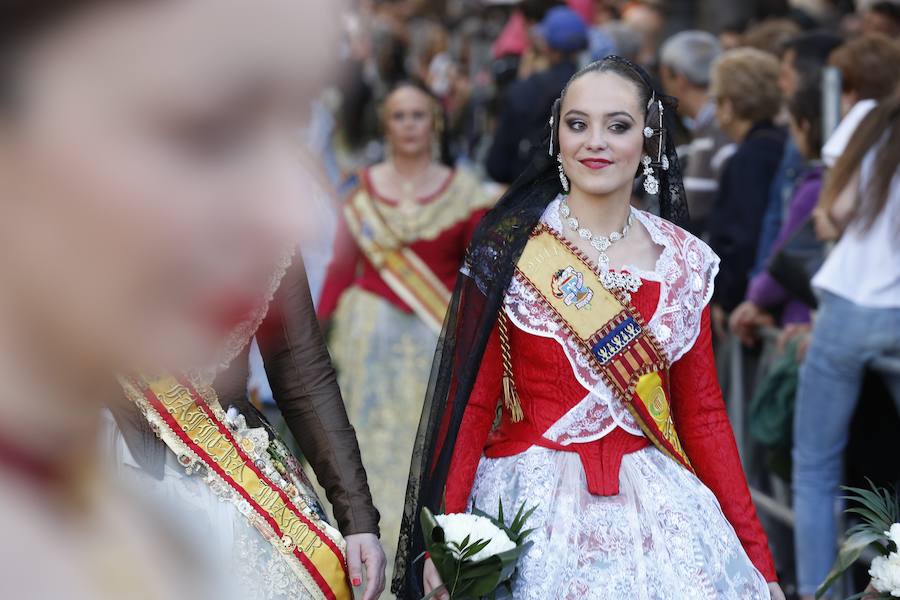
(879, 528)
(474, 553)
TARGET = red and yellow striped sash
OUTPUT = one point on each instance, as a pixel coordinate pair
(192, 425)
(400, 268)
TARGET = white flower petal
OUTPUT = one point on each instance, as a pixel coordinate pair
(458, 526)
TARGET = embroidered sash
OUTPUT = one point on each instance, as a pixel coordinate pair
(400, 268)
(610, 331)
(240, 470)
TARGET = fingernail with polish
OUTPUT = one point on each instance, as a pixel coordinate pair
(356, 581)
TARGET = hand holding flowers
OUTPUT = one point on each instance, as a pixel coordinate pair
(471, 555)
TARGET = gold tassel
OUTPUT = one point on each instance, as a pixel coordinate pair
(510, 396)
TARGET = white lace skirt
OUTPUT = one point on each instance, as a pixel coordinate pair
(663, 537)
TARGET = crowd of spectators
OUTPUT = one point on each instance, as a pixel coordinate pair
(768, 107)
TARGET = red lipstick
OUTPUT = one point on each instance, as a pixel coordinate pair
(595, 163)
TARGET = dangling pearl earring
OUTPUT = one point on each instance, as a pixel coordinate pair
(563, 180)
(651, 183)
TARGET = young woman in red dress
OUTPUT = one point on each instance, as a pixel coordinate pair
(577, 375)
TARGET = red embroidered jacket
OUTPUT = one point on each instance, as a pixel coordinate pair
(548, 389)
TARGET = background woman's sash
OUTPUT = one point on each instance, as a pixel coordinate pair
(401, 269)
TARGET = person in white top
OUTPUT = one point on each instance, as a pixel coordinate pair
(857, 327)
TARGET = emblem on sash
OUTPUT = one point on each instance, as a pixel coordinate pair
(568, 285)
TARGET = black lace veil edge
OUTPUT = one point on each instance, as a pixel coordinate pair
(477, 297)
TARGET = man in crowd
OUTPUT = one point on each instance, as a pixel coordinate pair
(686, 61)
(522, 125)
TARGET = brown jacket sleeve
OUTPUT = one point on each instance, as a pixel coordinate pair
(305, 388)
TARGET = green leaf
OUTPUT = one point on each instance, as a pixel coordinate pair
(850, 551)
(520, 521)
(872, 500)
(893, 504)
(483, 586)
(872, 518)
(524, 535)
(475, 548)
(481, 568)
(480, 513)
(431, 531)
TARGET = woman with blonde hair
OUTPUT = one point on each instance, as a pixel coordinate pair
(745, 87)
(403, 235)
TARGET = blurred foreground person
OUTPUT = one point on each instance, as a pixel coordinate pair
(576, 375)
(858, 322)
(149, 169)
(397, 253)
(304, 387)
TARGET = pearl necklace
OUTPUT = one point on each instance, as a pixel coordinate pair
(611, 280)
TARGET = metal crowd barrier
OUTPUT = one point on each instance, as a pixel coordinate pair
(741, 373)
(739, 392)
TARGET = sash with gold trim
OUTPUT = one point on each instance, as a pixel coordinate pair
(400, 268)
(241, 470)
(610, 331)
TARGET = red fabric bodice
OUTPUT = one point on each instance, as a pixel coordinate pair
(548, 389)
(350, 267)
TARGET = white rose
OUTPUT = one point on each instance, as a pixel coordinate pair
(885, 572)
(458, 526)
(894, 534)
